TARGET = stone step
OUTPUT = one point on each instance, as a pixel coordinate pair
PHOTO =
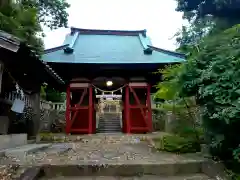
(109, 119)
(109, 127)
(22, 151)
(109, 124)
(133, 169)
(109, 131)
(143, 177)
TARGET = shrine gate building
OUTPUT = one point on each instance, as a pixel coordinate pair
(97, 62)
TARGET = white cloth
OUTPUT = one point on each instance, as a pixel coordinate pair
(18, 106)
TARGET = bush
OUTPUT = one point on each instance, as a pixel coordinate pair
(178, 144)
(196, 134)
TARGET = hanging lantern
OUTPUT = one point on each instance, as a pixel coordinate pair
(109, 83)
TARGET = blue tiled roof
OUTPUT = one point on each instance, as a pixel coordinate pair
(109, 47)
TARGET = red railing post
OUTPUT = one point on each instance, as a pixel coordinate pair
(149, 108)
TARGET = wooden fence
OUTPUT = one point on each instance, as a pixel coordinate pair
(10, 97)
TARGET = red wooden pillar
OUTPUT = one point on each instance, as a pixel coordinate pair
(67, 115)
(149, 108)
(126, 108)
(90, 130)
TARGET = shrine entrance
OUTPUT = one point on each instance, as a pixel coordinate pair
(91, 109)
(109, 113)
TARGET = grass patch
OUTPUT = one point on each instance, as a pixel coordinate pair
(177, 144)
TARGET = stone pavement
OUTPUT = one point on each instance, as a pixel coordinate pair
(100, 153)
(108, 155)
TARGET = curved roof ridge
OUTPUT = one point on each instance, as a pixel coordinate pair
(109, 31)
(173, 53)
(46, 51)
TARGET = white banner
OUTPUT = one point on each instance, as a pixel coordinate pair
(18, 106)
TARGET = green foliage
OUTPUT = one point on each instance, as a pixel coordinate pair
(213, 76)
(196, 134)
(43, 92)
(228, 9)
(56, 9)
(232, 175)
(212, 73)
(168, 88)
(236, 154)
(23, 19)
(54, 96)
(178, 144)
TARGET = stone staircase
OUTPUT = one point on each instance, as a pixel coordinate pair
(109, 120)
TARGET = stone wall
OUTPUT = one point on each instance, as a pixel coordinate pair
(12, 140)
(47, 119)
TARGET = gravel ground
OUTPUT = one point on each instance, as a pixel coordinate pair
(10, 172)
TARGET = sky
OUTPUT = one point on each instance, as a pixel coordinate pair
(158, 17)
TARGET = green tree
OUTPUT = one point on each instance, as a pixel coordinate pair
(211, 73)
(213, 76)
(23, 18)
(224, 9)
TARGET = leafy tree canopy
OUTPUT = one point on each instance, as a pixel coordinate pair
(206, 17)
(23, 18)
(213, 76)
(229, 9)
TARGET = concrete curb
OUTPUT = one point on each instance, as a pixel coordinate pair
(123, 169)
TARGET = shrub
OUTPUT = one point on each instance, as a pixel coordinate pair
(178, 144)
(196, 134)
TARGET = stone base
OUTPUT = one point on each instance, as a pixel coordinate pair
(4, 123)
(12, 140)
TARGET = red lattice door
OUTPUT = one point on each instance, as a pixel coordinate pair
(138, 113)
(79, 109)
